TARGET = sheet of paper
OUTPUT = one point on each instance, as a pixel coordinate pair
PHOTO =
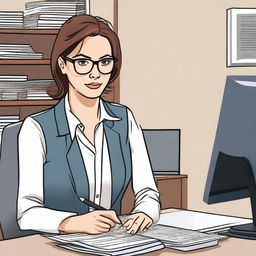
(178, 236)
(200, 221)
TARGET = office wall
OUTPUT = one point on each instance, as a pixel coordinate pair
(10, 5)
(174, 74)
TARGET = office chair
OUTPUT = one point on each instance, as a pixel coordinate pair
(9, 175)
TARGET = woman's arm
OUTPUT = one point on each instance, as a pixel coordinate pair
(31, 211)
(147, 206)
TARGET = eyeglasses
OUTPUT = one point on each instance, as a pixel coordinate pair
(84, 66)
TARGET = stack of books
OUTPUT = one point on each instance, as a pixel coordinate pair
(18, 51)
(25, 90)
(51, 15)
(5, 120)
(11, 19)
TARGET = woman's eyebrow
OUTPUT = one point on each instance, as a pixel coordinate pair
(82, 55)
(106, 55)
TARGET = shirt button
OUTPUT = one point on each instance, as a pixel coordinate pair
(97, 196)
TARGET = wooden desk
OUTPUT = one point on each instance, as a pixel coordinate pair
(41, 246)
(37, 245)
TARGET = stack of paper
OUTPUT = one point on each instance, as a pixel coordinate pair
(11, 19)
(115, 242)
(200, 221)
(5, 120)
(18, 51)
(182, 239)
(38, 89)
(13, 78)
(50, 15)
(26, 90)
(118, 242)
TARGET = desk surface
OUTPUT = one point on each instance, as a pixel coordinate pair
(41, 246)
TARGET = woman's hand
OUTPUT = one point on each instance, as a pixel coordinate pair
(95, 222)
(137, 222)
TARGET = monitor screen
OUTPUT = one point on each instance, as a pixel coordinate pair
(163, 147)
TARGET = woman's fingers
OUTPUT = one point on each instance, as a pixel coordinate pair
(138, 222)
(128, 224)
(111, 215)
(131, 219)
(146, 224)
(101, 228)
(105, 220)
(136, 225)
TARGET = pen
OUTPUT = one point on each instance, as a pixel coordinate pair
(92, 204)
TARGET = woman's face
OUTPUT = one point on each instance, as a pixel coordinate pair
(87, 78)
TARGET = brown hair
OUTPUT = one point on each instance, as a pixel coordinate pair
(72, 32)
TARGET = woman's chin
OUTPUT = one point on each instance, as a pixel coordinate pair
(92, 93)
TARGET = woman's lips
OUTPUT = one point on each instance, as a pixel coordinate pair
(94, 85)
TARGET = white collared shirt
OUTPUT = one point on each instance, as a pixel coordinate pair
(32, 154)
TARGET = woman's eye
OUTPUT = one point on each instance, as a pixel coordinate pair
(105, 62)
(83, 62)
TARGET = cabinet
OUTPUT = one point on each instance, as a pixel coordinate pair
(172, 189)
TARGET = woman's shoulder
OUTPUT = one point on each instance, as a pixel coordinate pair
(30, 127)
(36, 121)
(117, 106)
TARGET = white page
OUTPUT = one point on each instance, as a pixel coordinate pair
(178, 236)
(199, 221)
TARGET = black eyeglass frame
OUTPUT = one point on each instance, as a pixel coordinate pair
(94, 62)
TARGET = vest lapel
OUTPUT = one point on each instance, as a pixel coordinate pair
(116, 160)
(78, 170)
(74, 157)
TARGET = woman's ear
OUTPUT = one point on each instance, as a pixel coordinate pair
(62, 65)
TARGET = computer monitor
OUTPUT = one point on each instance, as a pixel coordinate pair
(163, 146)
(232, 168)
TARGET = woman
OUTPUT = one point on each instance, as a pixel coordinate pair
(84, 147)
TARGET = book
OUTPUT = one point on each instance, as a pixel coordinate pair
(118, 242)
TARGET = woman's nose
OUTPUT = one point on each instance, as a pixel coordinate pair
(94, 74)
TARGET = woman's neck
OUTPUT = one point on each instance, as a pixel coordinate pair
(84, 108)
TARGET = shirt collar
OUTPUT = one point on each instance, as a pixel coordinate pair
(74, 122)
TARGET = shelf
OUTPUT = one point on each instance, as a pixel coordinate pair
(30, 31)
(25, 62)
(170, 176)
(27, 102)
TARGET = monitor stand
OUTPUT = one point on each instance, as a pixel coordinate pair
(247, 231)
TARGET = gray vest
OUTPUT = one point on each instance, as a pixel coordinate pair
(65, 176)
